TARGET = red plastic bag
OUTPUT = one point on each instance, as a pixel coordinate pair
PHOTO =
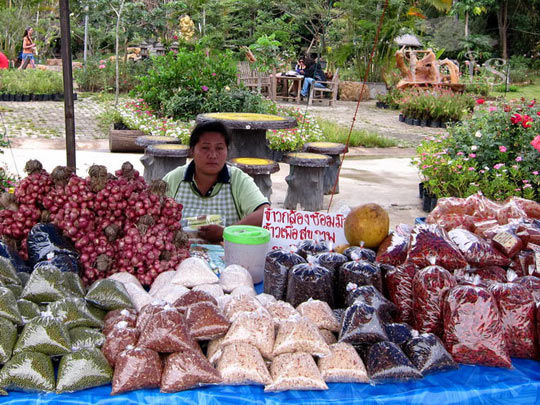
(473, 331)
(531, 208)
(510, 211)
(517, 309)
(431, 241)
(429, 286)
(453, 221)
(507, 242)
(148, 311)
(476, 251)
(532, 283)
(451, 205)
(136, 368)
(525, 263)
(393, 250)
(399, 285)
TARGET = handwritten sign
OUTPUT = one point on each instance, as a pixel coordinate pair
(289, 227)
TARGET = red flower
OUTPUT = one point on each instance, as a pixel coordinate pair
(533, 102)
(536, 143)
(516, 118)
(526, 123)
(175, 37)
(507, 108)
(480, 101)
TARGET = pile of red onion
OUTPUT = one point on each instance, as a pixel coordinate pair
(117, 223)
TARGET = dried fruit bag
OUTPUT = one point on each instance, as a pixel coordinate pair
(82, 369)
(532, 283)
(242, 364)
(517, 309)
(295, 371)
(398, 333)
(187, 369)
(359, 272)
(473, 331)
(193, 297)
(136, 368)
(399, 285)
(276, 271)
(477, 252)
(360, 253)
(428, 354)
(205, 321)
(308, 280)
(386, 361)
(361, 325)
(431, 241)
(429, 286)
(119, 315)
(28, 371)
(393, 250)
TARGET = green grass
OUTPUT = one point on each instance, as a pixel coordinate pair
(333, 132)
(528, 92)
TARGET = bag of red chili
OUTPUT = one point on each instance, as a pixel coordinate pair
(490, 274)
(399, 285)
(517, 309)
(477, 251)
(429, 286)
(393, 250)
(432, 241)
(473, 331)
(532, 283)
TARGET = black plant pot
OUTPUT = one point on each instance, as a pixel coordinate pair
(33, 97)
(45, 97)
(433, 203)
(75, 96)
(435, 124)
(26, 97)
(409, 121)
(277, 155)
(401, 118)
(385, 106)
(378, 104)
(443, 124)
(416, 122)
(421, 189)
(11, 97)
(426, 203)
(4, 97)
(57, 97)
(18, 97)
(423, 123)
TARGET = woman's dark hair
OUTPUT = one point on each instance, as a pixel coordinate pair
(209, 126)
(26, 31)
(309, 61)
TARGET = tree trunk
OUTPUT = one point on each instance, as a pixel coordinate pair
(502, 20)
(466, 24)
(119, 16)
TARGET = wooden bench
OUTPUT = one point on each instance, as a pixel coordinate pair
(330, 87)
(255, 80)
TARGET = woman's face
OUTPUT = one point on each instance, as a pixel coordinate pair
(210, 153)
(30, 31)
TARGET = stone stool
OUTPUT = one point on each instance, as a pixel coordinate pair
(334, 150)
(305, 180)
(160, 159)
(260, 170)
(146, 160)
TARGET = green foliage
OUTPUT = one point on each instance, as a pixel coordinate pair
(30, 81)
(266, 49)
(444, 106)
(333, 132)
(492, 152)
(392, 98)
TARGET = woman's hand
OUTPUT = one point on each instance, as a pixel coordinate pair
(211, 233)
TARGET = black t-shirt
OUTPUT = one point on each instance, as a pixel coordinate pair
(315, 72)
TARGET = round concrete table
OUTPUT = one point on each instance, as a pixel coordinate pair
(147, 140)
(334, 150)
(248, 131)
(260, 170)
(160, 159)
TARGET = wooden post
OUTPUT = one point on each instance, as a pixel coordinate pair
(69, 111)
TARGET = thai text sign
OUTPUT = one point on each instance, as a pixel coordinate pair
(289, 227)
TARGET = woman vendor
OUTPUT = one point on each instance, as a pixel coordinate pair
(208, 186)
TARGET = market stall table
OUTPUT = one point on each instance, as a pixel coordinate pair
(248, 131)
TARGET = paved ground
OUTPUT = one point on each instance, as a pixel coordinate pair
(384, 176)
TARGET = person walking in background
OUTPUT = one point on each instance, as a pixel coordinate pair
(29, 48)
(312, 73)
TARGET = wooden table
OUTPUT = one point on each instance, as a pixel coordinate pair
(290, 84)
(248, 131)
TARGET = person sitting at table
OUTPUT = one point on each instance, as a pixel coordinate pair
(300, 66)
(209, 186)
(312, 73)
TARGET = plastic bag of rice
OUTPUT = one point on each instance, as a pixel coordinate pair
(234, 276)
(281, 311)
(254, 328)
(73, 312)
(8, 273)
(193, 297)
(139, 297)
(265, 299)
(8, 306)
(161, 281)
(136, 368)
(117, 340)
(244, 290)
(124, 277)
(82, 369)
(320, 313)
(187, 369)
(328, 336)
(45, 335)
(205, 321)
(295, 371)
(214, 290)
(46, 284)
(343, 365)
(8, 337)
(28, 371)
(242, 364)
(108, 295)
(214, 350)
(148, 311)
(300, 335)
(119, 315)
(241, 304)
(192, 272)
(86, 338)
(171, 293)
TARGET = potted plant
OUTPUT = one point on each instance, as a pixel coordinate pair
(121, 137)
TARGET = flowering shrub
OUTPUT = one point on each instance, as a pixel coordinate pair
(308, 130)
(437, 105)
(138, 115)
(496, 152)
(7, 180)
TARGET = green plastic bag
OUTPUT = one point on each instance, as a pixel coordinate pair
(108, 295)
(86, 338)
(46, 284)
(28, 309)
(8, 337)
(46, 335)
(83, 369)
(28, 371)
(8, 274)
(74, 284)
(96, 312)
(23, 276)
(16, 289)
(8, 306)
(73, 312)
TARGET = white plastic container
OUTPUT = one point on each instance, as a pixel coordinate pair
(247, 246)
